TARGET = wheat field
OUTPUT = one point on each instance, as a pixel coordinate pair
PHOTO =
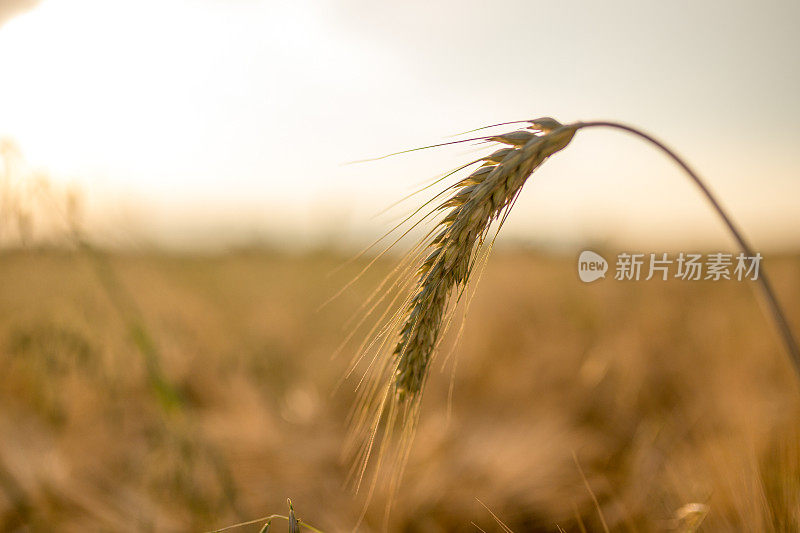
(663, 394)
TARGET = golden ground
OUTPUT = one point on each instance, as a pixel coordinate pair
(668, 393)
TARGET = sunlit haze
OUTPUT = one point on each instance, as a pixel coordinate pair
(197, 123)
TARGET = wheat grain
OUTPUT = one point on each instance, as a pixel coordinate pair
(441, 266)
(479, 199)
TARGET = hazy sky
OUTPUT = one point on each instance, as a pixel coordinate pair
(212, 120)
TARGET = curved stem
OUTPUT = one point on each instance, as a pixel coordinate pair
(777, 312)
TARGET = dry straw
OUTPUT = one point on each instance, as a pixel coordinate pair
(295, 524)
(404, 342)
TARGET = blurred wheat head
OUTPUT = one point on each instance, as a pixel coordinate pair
(33, 209)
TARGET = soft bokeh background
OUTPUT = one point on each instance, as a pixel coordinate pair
(202, 122)
(174, 208)
(669, 393)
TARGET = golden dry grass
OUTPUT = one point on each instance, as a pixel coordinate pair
(668, 393)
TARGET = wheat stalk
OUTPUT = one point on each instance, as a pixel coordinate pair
(295, 524)
(778, 316)
(447, 258)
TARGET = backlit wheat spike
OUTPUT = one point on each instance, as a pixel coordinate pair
(478, 200)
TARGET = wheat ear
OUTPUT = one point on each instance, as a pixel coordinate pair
(479, 199)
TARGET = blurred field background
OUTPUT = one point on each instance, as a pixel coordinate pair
(668, 393)
(173, 203)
